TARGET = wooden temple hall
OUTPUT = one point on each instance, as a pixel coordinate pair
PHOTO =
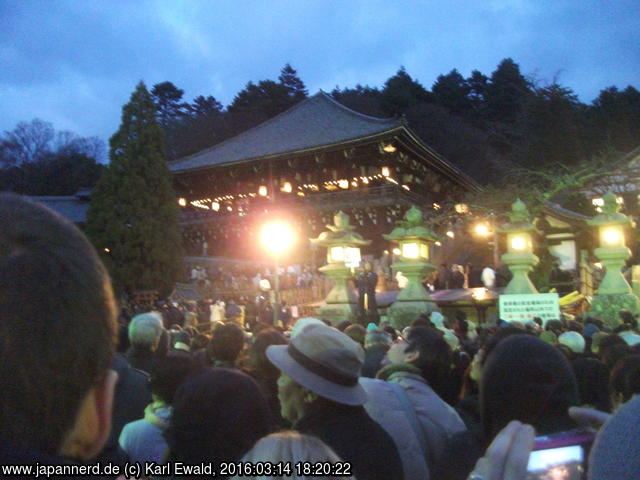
(305, 165)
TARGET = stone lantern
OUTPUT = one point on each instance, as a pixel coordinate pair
(614, 292)
(519, 257)
(413, 237)
(343, 253)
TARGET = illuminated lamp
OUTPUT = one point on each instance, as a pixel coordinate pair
(385, 171)
(343, 256)
(519, 242)
(286, 187)
(262, 191)
(519, 256)
(182, 202)
(612, 236)
(413, 237)
(461, 208)
(450, 234)
(344, 184)
(389, 148)
(215, 206)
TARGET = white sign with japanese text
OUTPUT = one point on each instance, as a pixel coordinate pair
(523, 308)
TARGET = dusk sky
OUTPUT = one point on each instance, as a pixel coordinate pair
(75, 63)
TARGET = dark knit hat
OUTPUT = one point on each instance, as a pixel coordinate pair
(526, 379)
(616, 451)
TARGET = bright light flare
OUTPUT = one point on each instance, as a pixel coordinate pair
(519, 243)
(277, 237)
(611, 236)
(481, 229)
(182, 202)
(411, 250)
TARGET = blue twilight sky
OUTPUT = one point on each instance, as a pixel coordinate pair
(75, 62)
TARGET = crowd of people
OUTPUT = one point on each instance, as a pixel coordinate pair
(440, 399)
(243, 278)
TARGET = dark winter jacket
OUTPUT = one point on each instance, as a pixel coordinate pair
(355, 437)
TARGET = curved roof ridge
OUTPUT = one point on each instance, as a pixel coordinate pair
(363, 116)
(316, 121)
(245, 132)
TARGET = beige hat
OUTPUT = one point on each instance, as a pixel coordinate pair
(325, 361)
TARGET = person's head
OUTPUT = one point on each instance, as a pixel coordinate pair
(356, 333)
(292, 448)
(58, 330)
(422, 321)
(180, 340)
(625, 379)
(616, 450)
(167, 375)
(615, 352)
(593, 383)
(554, 326)
(628, 319)
(528, 380)
(596, 339)
(258, 361)
(342, 326)
(320, 363)
(199, 341)
(227, 342)
(218, 414)
(428, 351)
(573, 340)
(145, 331)
(376, 338)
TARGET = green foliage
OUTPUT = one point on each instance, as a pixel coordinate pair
(289, 79)
(365, 99)
(62, 174)
(452, 91)
(540, 275)
(615, 119)
(551, 126)
(401, 92)
(168, 100)
(133, 210)
(507, 92)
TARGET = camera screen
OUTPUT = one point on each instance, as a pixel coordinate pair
(563, 463)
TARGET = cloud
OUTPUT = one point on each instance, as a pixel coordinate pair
(76, 63)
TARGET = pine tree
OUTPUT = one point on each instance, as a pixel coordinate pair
(507, 92)
(133, 216)
(452, 92)
(289, 78)
(402, 92)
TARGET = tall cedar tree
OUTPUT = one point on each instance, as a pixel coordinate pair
(133, 217)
